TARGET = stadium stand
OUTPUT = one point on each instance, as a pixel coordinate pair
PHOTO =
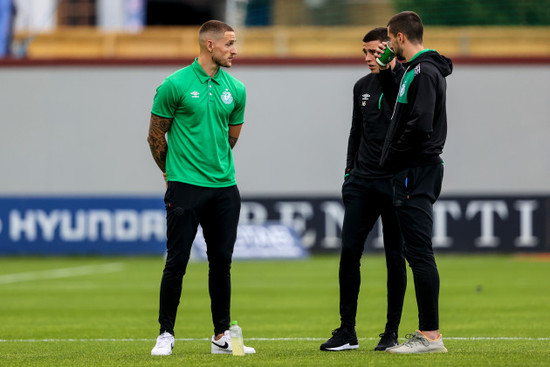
(279, 41)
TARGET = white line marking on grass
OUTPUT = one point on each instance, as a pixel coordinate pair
(61, 273)
(498, 338)
(446, 338)
(92, 340)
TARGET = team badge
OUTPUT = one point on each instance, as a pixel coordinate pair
(227, 98)
(402, 90)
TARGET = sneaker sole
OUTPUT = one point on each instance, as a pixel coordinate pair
(441, 350)
(161, 354)
(341, 348)
(226, 352)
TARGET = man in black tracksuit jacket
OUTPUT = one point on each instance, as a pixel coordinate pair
(367, 195)
(412, 149)
(418, 129)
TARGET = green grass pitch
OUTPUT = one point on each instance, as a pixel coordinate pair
(102, 311)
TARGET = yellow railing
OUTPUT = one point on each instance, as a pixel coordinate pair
(281, 42)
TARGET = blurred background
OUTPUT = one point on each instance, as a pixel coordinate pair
(77, 79)
(267, 28)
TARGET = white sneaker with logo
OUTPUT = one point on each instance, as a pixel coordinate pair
(418, 343)
(164, 346)
(223, 345)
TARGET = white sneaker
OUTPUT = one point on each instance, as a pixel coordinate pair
(223, 345)
(165, 343)
(418, 343)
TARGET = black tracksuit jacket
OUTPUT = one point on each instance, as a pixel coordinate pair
(418, 127)
(371, 117)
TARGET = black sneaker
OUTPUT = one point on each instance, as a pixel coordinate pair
(342, 339)
(388, 339)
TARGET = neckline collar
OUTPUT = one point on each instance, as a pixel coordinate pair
(419, 53)
(201, 74)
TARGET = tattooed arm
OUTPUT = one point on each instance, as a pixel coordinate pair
(157, 140)
(234, 132)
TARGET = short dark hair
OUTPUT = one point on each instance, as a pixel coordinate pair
(408, 23)
(215, 26)
(377, 34)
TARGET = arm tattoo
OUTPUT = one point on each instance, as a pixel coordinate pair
(232, 141)
(158, 127)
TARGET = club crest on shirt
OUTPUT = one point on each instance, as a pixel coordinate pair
(227, 98)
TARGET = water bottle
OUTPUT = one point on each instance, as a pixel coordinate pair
(237, 343)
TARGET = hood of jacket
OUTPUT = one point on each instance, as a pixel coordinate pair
(442, 63)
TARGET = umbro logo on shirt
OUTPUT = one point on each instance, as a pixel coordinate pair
(195, 94)
(365, 98)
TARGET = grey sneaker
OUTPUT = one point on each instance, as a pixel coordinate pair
(418, 343)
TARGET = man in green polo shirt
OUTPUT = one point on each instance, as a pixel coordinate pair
(201, 110)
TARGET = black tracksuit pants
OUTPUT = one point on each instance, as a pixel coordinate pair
(365, 200)
(217, 211)
(415, 191)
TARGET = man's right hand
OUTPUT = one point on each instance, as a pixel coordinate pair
(379, 51)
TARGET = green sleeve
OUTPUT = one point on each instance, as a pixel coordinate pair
(166, 100)
(237, 116)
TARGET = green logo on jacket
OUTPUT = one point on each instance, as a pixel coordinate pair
(404, 87)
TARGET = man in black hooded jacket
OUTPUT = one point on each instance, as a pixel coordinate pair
(367, 196)
(412, 149)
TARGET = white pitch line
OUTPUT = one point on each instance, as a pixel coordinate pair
(498, 338)
(446, 338)
(503, 338)
(61, 273)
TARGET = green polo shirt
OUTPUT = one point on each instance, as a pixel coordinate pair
(202, 108)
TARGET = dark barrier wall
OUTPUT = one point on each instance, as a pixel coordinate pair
(461, 224)
(114, 225)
